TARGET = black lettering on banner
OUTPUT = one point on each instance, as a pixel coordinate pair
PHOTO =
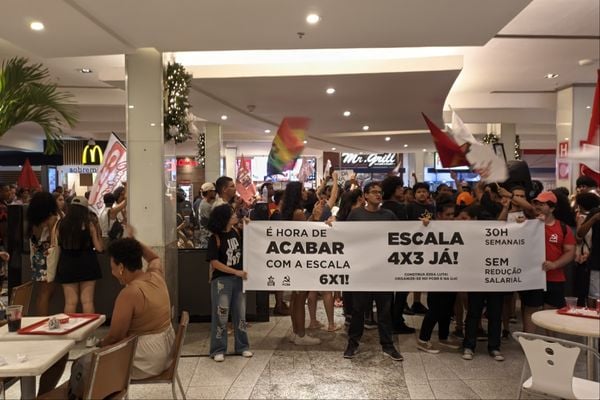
(286, 247)
(494, 232)
(334, 279)
(408, 258)
(418, 238)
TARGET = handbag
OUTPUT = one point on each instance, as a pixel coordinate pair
(52, 255)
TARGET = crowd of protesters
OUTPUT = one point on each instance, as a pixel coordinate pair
(572, 264)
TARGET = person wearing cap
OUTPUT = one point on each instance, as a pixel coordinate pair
(78, 268)
(464, 199)
(560, 251)
(209, 194)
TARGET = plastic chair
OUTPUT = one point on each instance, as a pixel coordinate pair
(21, 295)
(552, 363)
(109, 373)
(170, 374)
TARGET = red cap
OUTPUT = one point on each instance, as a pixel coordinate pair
(546, 197)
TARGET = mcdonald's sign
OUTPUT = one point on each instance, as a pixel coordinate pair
(92, 155)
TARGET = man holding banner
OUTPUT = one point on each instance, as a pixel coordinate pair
(361, 301)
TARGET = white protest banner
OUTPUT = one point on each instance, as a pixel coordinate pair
(394, 256)
(112, 172)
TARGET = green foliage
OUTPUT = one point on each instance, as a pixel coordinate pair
(27, 96)
(177, 82)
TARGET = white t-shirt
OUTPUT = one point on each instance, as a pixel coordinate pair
(106, 222)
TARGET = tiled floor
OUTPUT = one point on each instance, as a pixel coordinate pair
(283, 370)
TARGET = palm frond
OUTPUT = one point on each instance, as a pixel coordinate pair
(26, 95)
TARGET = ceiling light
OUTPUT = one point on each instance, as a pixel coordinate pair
(312, 18)
(224, 117)
(306, 141)
(387, 138)
(365, 127)
(347, 113)
(585, 61)
(405, 146)
(86, 71)
(330, 90)
(152, 124)
(131, 106)
(551, 76)
(267, 131)
(36, 26)
(567, 138)
(333, 148)
(588, 107)
(424, 150)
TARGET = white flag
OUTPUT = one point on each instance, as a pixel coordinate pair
(111, 173)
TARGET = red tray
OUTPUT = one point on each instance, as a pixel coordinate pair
(566, 311)
(29, 330)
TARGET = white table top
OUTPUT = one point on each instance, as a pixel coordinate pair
(41, 355)
(77, 335)
(568, 324)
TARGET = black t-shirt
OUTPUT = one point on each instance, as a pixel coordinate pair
(396, 207)
(361, 214)
(415, 210)
(594, 259)
(229, 251)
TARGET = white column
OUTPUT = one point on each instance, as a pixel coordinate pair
(230, 162)
(213, 143)
(572, 123)
(508, 135)
(150, 173)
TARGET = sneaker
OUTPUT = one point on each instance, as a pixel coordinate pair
(481, 335)
(450, 343)
(467, 354)
(418, 308)
(496, 355)
(247, 353)
(306, 340)
(92, 341)
(427, 347)
(219, 357)
(458, 333)
(393, 354)
(403, 330)
(370, 324)
(292, 337)
(407, 310)
(505, 334)
(351, 351)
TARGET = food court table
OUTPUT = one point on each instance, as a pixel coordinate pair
(77, 335)
(580, 326)
(40, 355)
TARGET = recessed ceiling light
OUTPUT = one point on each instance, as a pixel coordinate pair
(312, 18)
(267, 131)
(347, 113)
(567, 138)
(588, 107)
(224, 117)
(131, 106)
(405, 145)
(387, 138)
(551, 76)
(333, 148)
(36, 26)
(306, 141)
(152, 124)
(86, 71)
(365, 127)
(424, 150)
(330, 90)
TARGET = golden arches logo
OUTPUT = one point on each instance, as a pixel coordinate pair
(93, 151)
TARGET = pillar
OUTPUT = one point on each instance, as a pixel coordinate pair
(572, 123)
(230, 162)
(213, 143)
(151, 167)
(507, 133)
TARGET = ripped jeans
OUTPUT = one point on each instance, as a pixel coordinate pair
(226, 294)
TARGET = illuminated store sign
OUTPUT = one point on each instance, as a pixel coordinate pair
(92, 155)
(372, 161)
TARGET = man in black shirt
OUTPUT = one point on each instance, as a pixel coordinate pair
(362, 300)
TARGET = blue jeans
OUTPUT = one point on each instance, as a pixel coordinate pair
(225, 294)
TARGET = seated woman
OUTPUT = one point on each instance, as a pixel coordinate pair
(142, 308)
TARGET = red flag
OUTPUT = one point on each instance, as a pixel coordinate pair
(593, 139)
(451, 154)
(27, 179)
(243, 183)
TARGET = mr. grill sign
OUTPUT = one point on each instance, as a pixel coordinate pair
(372, 161)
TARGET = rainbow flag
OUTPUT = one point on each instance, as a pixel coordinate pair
(287, 144)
